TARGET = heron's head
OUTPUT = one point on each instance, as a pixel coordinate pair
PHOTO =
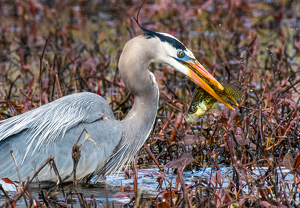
(174, 54)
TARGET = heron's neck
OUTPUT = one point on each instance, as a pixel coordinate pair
(133, 66)
(136, 126)
(140, 118)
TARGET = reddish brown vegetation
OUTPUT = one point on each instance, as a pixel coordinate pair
(254, 45)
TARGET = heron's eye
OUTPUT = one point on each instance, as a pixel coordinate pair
(180, 54)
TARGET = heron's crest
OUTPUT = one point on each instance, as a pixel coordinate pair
(164, 37)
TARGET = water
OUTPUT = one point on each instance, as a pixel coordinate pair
(148, 185)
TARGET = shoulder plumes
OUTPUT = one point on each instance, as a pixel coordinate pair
(50, 122)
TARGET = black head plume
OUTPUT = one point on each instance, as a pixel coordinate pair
(137, 16)
(151, 34)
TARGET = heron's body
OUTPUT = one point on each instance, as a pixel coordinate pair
(54, 128)
(91, 110)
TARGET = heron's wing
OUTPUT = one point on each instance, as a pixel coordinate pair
(50, 122)
(95, 148)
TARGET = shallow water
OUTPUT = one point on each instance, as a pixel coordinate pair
(148, 185)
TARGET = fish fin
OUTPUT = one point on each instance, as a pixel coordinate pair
(216, 107)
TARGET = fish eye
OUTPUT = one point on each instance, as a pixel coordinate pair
(180, 54)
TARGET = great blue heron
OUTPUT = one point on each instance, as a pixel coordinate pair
(52, 129)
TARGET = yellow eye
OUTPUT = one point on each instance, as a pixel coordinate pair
(180, 54)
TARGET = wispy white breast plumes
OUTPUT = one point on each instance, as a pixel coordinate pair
(128, 147)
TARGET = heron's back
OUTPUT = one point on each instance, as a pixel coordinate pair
(53, 129)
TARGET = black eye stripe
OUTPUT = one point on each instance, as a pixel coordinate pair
(172, 41)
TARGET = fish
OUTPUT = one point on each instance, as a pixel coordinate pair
(202, 101)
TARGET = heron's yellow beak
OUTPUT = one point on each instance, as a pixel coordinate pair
(194, 66)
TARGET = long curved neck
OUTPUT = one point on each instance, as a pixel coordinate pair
(139, 120)
(133, 66)
(136, 126)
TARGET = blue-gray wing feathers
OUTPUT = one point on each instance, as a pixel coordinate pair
(53, 129)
